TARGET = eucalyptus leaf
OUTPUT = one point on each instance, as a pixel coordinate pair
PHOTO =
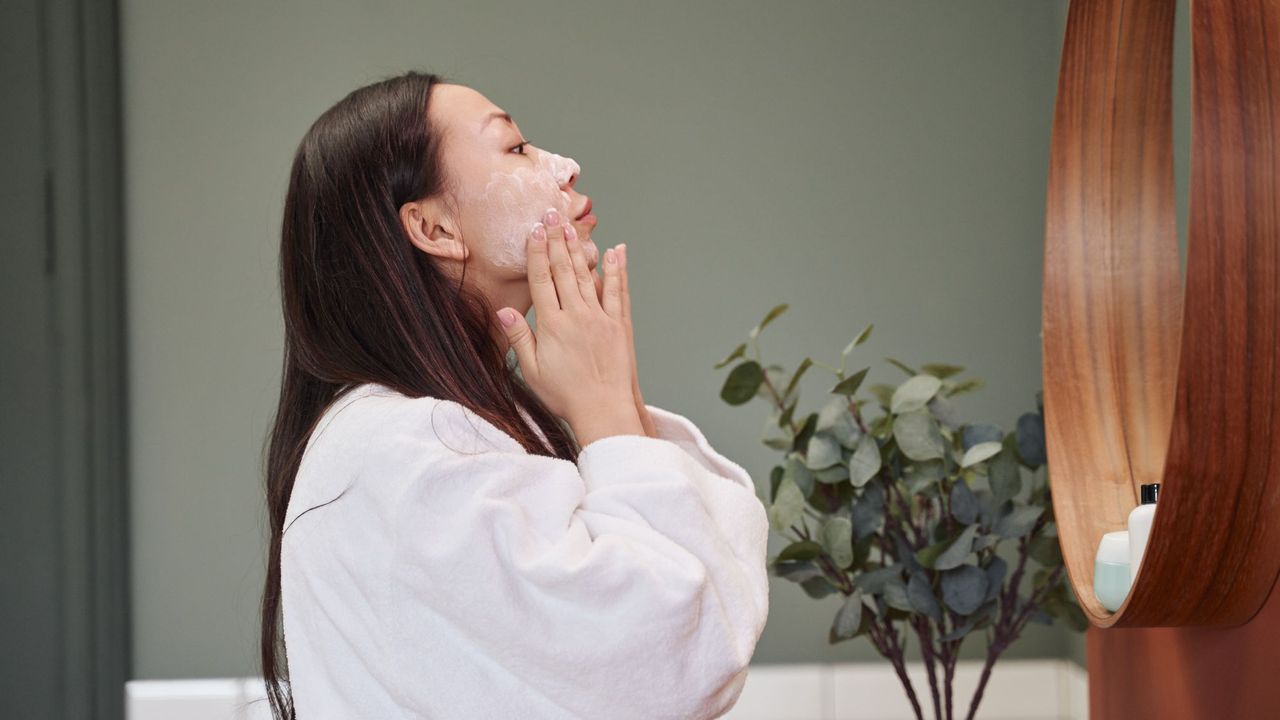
(945, 412)
(1018, 521)
(914, 393)
(958, 631)
(848, 618)
(865, 462)
(941, 370)
(883, 395)
(873, 582)
(775, 312)
(921, 596)
(835, 419)
(862, 551)
(777, 443)
(837, 538)
(964, 504)
(795, 378)
(1004, 473)
(1031, 439)
(799, 474)
(917, 484)
(788, 508)
(996, 571)
(796, 571)
(850, 385)
(979, 453)
(966, 386)
(895, 594)
(823, 451)
(921, 478)
(958, 551)
(1046, 550)
(986, 507)
(978, 619)
(775, 477)
(964, 588)
(818, 587)
(805, 432)
(737, 353)
(833, 475)
(905, 552)
(867, 513)
(918, 436)
(743, 383)
(800, 550)
(901, 366)
(977, 433)
(985, 541)
(861, 338)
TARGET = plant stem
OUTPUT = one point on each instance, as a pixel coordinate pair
(894, 496)
(953, 654)
(896, 657)
(945, 651)
(839, 373)
(1009, 627)
(925, 634)
(993, 652)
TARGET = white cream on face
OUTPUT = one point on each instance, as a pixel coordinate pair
(513, 201)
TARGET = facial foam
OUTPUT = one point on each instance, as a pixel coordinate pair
(515, 200)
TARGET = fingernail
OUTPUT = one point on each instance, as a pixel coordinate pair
(507, 317)
(552, 217)
(570, 232)
(539, 232)
(609, 257)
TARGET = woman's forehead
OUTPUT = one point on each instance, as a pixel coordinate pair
(467, 111)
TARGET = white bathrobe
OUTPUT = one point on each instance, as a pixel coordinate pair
(448, 573)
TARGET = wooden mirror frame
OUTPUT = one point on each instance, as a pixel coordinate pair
(1140, 386)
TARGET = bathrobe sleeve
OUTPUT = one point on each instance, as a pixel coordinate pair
(631, 584)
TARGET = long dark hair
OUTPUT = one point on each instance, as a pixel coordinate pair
(362, 304)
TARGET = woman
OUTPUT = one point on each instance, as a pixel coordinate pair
(451, 538)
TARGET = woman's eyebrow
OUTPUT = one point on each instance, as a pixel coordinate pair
(499, 115)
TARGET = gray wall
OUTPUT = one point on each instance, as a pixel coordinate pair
(863, 161)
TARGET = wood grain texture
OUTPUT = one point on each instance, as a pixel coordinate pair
(1145, 382)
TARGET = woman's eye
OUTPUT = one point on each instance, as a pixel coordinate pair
(521, 145)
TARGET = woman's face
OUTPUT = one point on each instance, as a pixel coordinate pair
(502, 186)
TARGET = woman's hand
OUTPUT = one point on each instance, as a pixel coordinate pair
(645, 418)
(580, 362)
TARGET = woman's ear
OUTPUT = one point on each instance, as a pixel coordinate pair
(432, 229)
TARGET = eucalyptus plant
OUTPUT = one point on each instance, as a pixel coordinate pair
(906, 514)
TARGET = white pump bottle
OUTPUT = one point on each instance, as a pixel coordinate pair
(1140, 519)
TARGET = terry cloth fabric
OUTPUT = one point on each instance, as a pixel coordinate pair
(432, 568)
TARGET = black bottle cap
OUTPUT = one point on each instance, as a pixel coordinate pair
(1149, 493)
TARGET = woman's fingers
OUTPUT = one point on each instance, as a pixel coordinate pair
(541, 286)
(612, 288)
(562, 271)
(586, 285)
(626, 291)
